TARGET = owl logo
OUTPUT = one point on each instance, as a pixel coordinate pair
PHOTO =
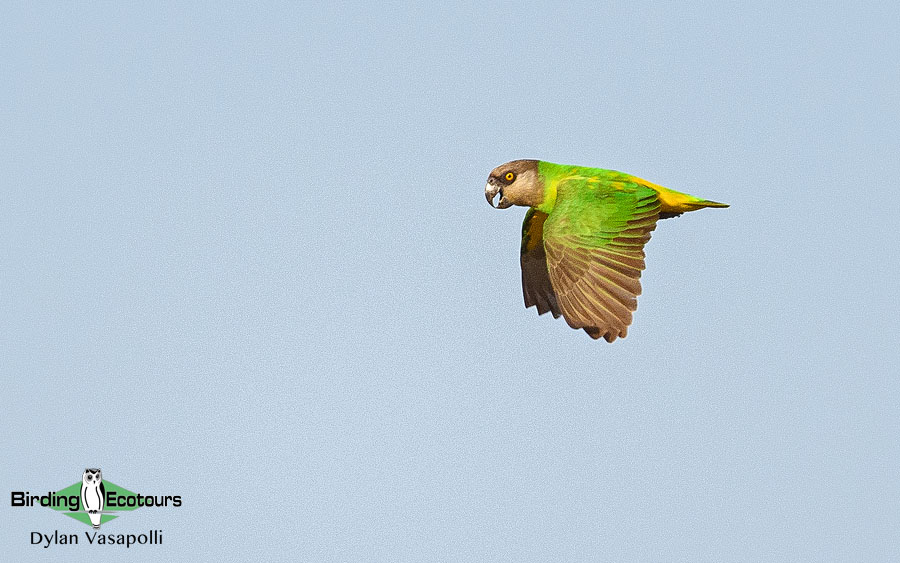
(93, 495)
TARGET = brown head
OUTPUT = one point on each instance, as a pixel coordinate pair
(517, 182)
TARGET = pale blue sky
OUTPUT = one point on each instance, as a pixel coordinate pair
(247, 259)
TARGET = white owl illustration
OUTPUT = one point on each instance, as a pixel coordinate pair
(93, 495)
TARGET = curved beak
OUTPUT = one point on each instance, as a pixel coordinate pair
(490, 192)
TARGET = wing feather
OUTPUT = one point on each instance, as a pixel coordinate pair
(536, 287)
(593, 244)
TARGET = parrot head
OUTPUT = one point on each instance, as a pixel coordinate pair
(517, 182)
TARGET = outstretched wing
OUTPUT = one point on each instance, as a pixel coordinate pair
(594, 242)
(536, 287)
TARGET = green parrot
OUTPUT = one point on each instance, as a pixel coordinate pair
(583, 238)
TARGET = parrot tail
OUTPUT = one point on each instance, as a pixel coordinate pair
(708, 203)
(669, 211)
(674, 203)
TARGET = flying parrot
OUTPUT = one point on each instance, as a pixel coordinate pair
(583, 238)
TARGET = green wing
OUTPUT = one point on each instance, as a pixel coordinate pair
(594, 242)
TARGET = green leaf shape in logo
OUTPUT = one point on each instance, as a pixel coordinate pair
(82, 516)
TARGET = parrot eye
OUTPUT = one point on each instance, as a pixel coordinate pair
(510, 176)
